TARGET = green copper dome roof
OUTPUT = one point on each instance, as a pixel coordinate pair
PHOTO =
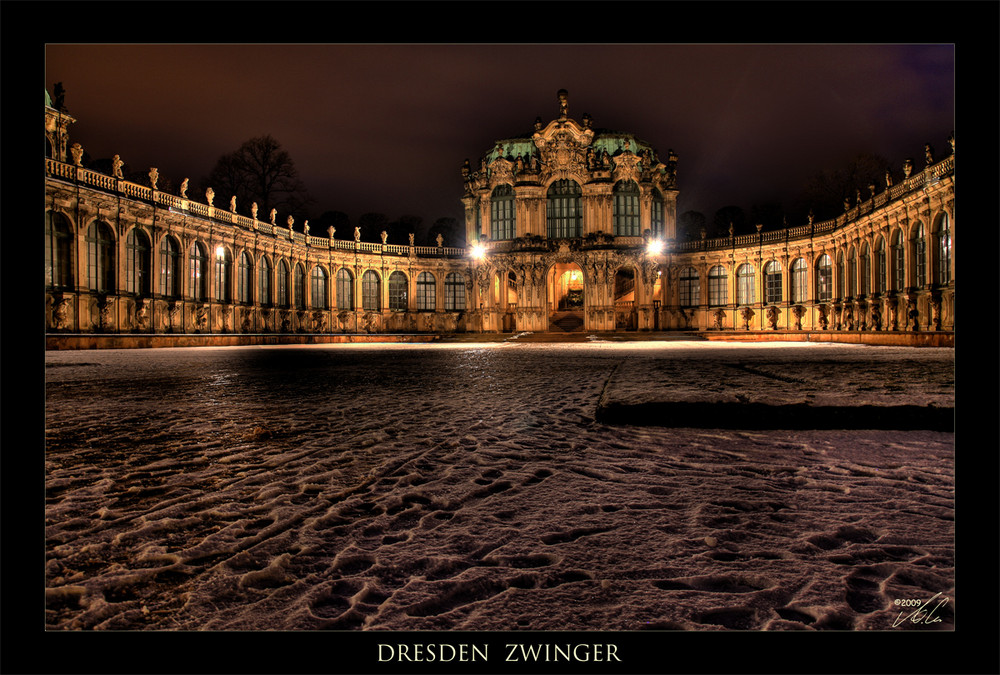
(604, 140)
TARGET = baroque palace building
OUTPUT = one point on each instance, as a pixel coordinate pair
(570, 228)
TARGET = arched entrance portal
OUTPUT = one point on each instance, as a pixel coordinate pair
(566, 298)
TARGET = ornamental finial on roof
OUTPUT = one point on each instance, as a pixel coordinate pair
(563, 98)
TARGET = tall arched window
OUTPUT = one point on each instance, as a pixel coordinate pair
(798, 280)
(881, 267)
(864, 272)
(398, 291)
(284, 283)
(244, 280)
(264, 282)
(898, 262)
(426, 292)
(345, 289)
(137, 262)
(564, 215)
(626, 209)
(300, 286)
(198, 272)
(919, 255)
(840, 275)
(454, 292)
(689, 288)
(223, 274)
(824, 278)
(58, 251)
(944, 250)
(745, 290)
(772, 282)
(718, 291)
(502, 218)
(656, 217)
(170, 267)
(318, 288)
(852, 272)
(371, 291)
(100, 258)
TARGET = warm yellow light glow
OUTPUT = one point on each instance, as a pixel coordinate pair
(478, 251)
(654, 247)
(220, 251)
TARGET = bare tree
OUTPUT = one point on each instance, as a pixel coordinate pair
(260, 171)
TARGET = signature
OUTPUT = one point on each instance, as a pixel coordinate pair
(922, 614)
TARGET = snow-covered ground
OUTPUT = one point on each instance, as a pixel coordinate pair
(470, 487)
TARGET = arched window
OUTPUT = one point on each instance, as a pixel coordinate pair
(223, 272)
(852, 272)
(264, 282)
(919, 255)
(564, 214)
(745, 291)
(656, 215)
(718, 291)
(170, 267)
(502, 218)
(689, 288)
(454, 292)
(137, 262)
(840, 275)
(300, 287)
(345, 289)
(398, 291)
(244, 281)
(944, 250)
(58, 251)
(284, 283)
(898, 262)
(798, 280)
(100, 258)
(881, 267)
(824, 278)
(318, 288)
(426, 292)
(626, 209)
(197, 272)
(371, 291)
(864, 272)
(772, 282)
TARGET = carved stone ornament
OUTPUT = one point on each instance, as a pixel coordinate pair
(747, 314)
(501, 171)
(253, 210)
(154, 176)
(772, 317)
(184, 188)
(116, 166)
(77, 151)
(209, 196)
(232, 204)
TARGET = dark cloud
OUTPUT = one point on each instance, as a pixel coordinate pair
(386, 127)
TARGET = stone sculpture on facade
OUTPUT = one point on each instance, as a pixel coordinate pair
(209, 196)
(184, 188)
(772, 317)
(154, 175)
(747, 315)
(76, 150)
(116, 166)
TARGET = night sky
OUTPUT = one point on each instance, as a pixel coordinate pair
(385, 128)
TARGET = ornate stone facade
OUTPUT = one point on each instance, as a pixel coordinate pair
(570, 228)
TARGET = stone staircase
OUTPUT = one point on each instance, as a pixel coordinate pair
(566, 322)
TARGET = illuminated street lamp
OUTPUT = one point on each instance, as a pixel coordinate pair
(654, 247)
(220, 251)
(478, 251)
